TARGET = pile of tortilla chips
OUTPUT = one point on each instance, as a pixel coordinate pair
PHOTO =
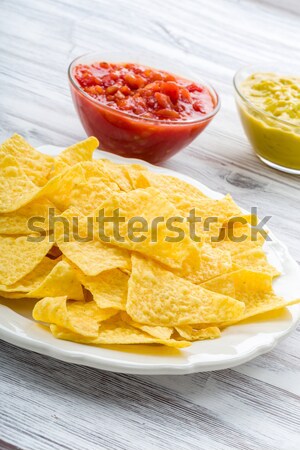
(123, 290)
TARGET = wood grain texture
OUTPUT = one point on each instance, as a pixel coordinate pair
(50, 405)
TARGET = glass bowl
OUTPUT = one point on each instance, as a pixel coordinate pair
(127, 134)
(275, 141)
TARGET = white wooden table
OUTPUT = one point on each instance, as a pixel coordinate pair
(46, 404)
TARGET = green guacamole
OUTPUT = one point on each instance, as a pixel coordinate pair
(271, 117)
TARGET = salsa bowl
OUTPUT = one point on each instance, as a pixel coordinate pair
(135, 135)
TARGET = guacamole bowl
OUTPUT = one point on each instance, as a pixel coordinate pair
(268, 102)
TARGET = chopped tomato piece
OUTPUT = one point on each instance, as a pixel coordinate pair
(163, 100)
(167, 113)
(171, 89)
(144, 91)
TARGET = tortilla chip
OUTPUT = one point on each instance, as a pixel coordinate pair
(79, 152)
(94, 172)
(16, 222)
(117, 172)
(239, 240)
(12, 295)
(60, 281)
(16, 188)
(86, 196)
(158, 332)
(79, 317)
(109, 288)
(60, 188)
(255, 290)
(254, 259)
(148, 204)
(252, 288)
(81, 186)
(116, 333)
(35, 164)
(133, 172)
(193, 334)
(160, 298)
(213, 263)
(33, 279)
(91, 257)
(223, 284)
(181, 194)
(19, 257)
(214, 215)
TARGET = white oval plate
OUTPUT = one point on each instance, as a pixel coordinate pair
(238, 343)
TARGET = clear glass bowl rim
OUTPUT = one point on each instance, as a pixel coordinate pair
(251, 68)
(133, 116)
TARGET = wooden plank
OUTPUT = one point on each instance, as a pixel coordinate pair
(77, 407)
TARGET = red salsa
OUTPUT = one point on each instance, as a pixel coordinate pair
(140, 112)
(144, 92)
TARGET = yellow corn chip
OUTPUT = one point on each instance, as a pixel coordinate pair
(16, 188)
(241, 220)
(109, 288)
(252, 288)
(80, 310)
(214, 214)
(12, 295)
(193, 334)
(255, 290)
(223, 284)
(81, 151)
(79, 317)
(60, 188)
(148, 205)
(160, 298)
(116, 333)
(79, 187)
(158, 332)
(33, 279)
(134, 172)
(16, 222)
(213, 263)
(117, 172)
(91, 257)
(18, 257)
(36, 165)
(86, 196)
(255, 259)
(187, 197)
(182, 194)
(60, 281)
(238, 239)
(94, 172)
